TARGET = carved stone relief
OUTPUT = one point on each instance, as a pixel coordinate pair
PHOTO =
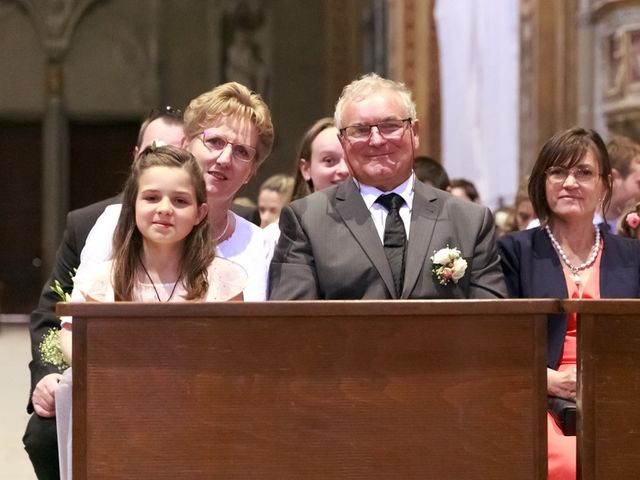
(245, 44)
(617, 66)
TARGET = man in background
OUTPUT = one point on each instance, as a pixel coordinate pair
(624, 155)
(431, 172)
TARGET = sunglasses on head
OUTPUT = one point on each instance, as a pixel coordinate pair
(166, 111)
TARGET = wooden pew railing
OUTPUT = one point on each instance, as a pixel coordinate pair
(608, 430)
(310, 390)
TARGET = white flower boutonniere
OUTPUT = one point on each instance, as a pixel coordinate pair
(448, 265)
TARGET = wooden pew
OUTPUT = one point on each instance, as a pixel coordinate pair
(609, 388)
(310, 390)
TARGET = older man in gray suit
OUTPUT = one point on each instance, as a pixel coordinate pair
(381, 234)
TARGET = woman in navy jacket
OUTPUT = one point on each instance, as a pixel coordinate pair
(568, 257)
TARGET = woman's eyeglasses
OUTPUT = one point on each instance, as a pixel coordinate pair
(216, 145)
(580, 174)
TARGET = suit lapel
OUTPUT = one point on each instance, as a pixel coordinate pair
(357, 218)
(424, 213)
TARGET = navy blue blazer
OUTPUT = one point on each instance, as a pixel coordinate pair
(532, 269)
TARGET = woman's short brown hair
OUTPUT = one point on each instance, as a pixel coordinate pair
(567, 149)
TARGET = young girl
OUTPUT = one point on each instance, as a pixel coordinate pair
(162, 248)
(320, 163)
(162, 252)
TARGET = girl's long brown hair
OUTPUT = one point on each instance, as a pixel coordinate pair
(198, 251)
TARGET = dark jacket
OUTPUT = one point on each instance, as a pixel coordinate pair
(79, 224)
(532, 269)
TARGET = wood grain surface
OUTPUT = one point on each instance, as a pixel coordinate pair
(310, 390)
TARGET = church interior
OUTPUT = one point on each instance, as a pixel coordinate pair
(79, 75)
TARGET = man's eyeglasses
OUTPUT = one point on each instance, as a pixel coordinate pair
(388, 129)
(580, 174)
(166, 111)
(216, 145)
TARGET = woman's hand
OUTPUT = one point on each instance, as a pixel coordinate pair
(562, 384)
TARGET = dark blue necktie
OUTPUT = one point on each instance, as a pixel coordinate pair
(395, 238)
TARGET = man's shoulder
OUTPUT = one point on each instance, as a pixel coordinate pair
(81, 221)
(445, 201)
(90, 213)
(317, 199)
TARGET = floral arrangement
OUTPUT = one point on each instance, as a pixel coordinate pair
(633, 220)
(49, 348)
(448, 265)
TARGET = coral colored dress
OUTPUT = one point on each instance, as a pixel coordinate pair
(562, 450)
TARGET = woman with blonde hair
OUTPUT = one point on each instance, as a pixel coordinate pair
(229, 131)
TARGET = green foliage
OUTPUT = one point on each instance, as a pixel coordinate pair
(57, 287)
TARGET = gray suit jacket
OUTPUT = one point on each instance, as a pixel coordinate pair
(329, 248)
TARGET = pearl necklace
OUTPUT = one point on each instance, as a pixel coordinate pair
(575, 271)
